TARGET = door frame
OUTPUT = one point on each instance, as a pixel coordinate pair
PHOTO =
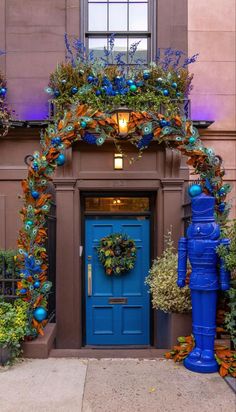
(152, 195)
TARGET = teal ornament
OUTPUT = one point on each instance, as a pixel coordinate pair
(29, 223)
(46, 287)
(146, 74)
(174, 85)
(83, 124)
(178, 94)
(37, 284)
(74, 90)
(40, 314)
(194, 190)
(48, 90)
(165, 92)
(35, 194)
(60, 161)
(192, 140)
(133, 88)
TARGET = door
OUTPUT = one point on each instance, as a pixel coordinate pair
(127, 321)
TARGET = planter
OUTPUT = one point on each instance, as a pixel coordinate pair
(169, 326)
(5, 356)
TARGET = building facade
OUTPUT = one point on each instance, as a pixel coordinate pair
(92, 198)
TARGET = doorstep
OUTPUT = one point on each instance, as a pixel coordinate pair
(40, 347)
(150, 353)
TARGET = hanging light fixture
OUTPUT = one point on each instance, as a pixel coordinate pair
(121, 116)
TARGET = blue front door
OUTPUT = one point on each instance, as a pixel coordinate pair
(109, 322)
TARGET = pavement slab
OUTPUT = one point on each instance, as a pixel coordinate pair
(43, 385)
(122, 385)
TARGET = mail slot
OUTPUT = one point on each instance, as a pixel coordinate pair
(118, 301)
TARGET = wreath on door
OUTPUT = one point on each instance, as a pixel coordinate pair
(117, 253)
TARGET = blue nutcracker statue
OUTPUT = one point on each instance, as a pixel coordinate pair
(207, 277)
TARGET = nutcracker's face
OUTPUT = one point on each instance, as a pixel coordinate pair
(204, 231)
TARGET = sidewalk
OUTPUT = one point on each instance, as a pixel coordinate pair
(114, 385)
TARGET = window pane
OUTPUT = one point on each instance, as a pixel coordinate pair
(141, 52)
(118, 17)
(97, 45)
(117, 204)
(121, 47)
(97, 17)
(138, 18)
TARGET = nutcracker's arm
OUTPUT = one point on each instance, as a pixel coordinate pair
(182, 261)
(224, 273)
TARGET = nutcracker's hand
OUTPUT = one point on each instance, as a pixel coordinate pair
(181, 283)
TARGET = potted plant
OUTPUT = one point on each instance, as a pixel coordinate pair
(13, 323)
(173, 304)
(229, 257)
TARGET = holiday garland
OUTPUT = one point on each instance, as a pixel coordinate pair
(92, 123)
(117, 253)
(4, 112)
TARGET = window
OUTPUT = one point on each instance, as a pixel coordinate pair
(130, 20)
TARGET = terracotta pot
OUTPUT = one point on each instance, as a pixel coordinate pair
(170, 326)
(5, 355)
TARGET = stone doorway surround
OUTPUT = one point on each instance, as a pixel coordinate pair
(91, 169)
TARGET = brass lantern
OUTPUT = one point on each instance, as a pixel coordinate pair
(121, 117)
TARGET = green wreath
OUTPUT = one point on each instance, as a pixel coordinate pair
(117, 253)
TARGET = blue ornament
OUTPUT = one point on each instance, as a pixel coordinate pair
(174, 85)
(74, 90)
(222, 191)
(165, 92)
(90, 79)
(3, 91)
(35, 194)
(221, 207)
(194, 190)
(40, 314)
(56, 93)
(56, 141)
(23, 291)
(178, 94)
(130, 82)
(61, 159)
(163, 123)
(192, 140)
(36, 284)
(98, 92)
(83, 124)
(146, 74)
(35, 166)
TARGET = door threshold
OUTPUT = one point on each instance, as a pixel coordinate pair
(120, 347)
(112, 353)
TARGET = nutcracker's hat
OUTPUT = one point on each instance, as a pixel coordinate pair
(203, 208)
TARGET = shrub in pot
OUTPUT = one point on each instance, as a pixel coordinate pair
(229, 257)
(13, 324)
(172, 303)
